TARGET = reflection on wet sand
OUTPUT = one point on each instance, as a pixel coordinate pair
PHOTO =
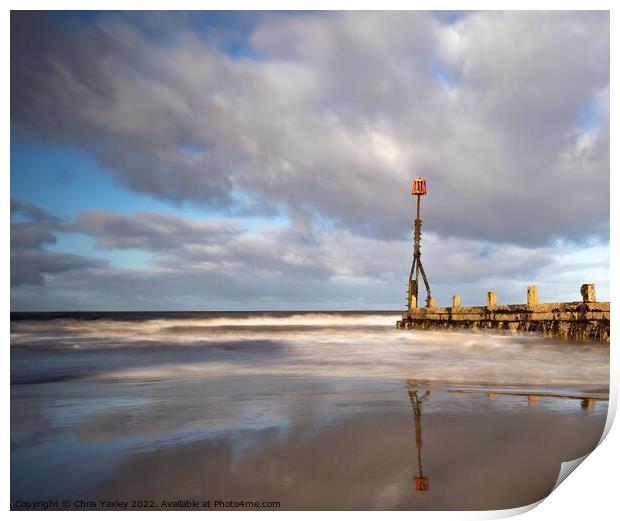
(308, 445)
(313, 411)
(587, 402)
(421, 482)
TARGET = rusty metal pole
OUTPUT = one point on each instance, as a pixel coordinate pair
(416, 249)
(418, 189)
(417, 215)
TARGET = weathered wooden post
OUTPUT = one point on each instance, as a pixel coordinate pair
(456, 302)
(491, 299)
(431, 303)
(588, 293)
(532, 295)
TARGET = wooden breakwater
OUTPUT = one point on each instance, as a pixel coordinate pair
(585, 320)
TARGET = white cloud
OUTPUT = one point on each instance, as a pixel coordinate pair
(219, 265)
(327, 117)
(339, 112)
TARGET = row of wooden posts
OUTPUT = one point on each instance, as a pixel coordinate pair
(588, 294)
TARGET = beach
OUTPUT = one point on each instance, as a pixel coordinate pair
(292, 411)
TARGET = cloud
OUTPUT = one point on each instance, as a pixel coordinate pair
(30, 235)
(149, 231)
(30, 267)
(30, 262)
(286, 251)
(30, 211)
(327, 116)
(205, 264)
(320, 119)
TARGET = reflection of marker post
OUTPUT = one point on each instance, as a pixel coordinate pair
(588, 403)
(420, 481)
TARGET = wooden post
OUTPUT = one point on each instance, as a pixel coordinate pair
(532, 295)
(456, 301)
(588, 293)
(491, 299)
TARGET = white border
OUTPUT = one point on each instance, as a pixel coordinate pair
(589, 492)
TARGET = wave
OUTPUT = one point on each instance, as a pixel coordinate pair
(119, 327)
(316, 345)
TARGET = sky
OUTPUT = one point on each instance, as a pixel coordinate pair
(263, 160)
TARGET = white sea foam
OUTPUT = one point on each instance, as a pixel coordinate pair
(316, 345)
(170, 325)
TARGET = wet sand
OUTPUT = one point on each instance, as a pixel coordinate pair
(304, 444)
(298, 411)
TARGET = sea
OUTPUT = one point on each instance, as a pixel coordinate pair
(292, 411)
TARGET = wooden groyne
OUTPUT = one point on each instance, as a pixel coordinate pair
(585, 320)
